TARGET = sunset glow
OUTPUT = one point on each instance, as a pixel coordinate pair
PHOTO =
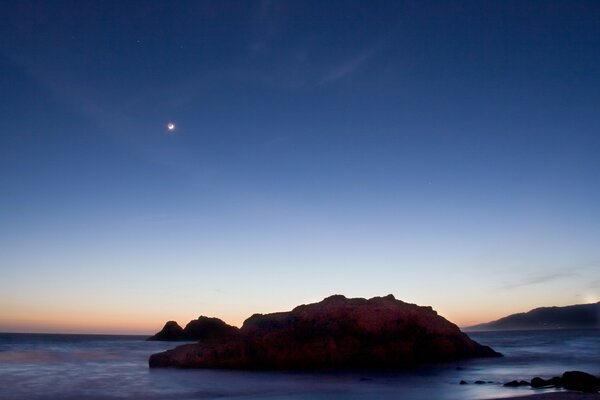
(160, 163)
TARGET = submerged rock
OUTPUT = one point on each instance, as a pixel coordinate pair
(336, 333)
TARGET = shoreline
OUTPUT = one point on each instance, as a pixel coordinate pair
(553, 396)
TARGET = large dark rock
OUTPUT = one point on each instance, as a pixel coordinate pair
(201, 329)
(580, 381)
(336, 333)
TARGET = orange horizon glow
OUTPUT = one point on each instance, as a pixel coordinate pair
(148, 323)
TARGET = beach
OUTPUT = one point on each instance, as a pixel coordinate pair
(555, 396)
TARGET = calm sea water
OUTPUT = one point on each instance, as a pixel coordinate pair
(34, 366)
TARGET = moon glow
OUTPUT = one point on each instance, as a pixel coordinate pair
(170, 126)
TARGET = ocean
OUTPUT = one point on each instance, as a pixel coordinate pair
(41, 366)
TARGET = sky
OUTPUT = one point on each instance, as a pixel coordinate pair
(445, 152)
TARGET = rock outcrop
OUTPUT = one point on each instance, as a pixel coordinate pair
(205, 329)
(336, 333)
(171, 331)
(581, 381)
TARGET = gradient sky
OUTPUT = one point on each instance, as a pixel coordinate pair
(445, 152)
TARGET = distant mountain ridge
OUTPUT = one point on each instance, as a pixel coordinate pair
(579, 316)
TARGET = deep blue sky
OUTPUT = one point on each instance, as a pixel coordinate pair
(445, 152)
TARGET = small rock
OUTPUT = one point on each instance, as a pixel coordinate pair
(479, 382)
(556, 381)
(516, 383)
(463, 383)
(538, 382)
(171, 331)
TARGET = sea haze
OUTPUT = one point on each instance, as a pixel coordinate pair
(38, 366)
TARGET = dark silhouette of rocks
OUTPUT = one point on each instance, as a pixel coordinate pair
(201, 329)
(580, 316)
(171, 331)
(570, 380)
(336, 333)
(209, 329)
(516, 384)
(581, 381)
(538, 382)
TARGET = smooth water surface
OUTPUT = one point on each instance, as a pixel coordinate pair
(36, 366)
